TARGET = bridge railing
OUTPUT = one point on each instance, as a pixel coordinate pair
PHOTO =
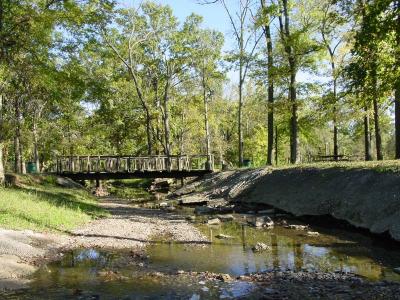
(116, 164)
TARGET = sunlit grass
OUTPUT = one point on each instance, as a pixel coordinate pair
(386, 166)
(46, 207)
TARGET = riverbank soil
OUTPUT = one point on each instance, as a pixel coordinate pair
(21, 252)
(366, 195)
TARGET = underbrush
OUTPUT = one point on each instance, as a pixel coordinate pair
(133, 189)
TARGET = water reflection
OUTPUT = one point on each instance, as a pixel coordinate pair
(90, 272)
(290, 250)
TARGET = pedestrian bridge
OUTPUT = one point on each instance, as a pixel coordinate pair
(126, 167)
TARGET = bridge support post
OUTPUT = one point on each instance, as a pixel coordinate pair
(98, 183)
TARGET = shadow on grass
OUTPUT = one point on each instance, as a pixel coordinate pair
(62, 199)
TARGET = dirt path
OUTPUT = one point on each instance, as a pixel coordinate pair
(127, 227)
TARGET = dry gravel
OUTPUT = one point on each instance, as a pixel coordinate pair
(133, 227)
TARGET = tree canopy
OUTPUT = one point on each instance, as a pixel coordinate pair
(316, 77)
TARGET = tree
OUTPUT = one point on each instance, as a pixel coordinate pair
(298, 47)
(332, 30)
(247, 39)
(206, 53)
(266, 21)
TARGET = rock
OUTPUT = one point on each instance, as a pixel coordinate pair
(203, 210)
(312, 233)
(224, 277)
(163, 204)
(111, 275)
(170, 208)
(397, 270)
(191, 218)
(214, 221)
(68, 183)
(267, 211)
(180, 272)
(217, 202)
(224, 236)
(261, 247)
(101, 192)
(261, 222)
(161, 184)
(297, 227)
(192, 200)
(226, 218)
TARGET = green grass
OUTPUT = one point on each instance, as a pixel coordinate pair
(37, 203)
(386, 166)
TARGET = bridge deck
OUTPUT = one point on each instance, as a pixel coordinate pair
(125, 167)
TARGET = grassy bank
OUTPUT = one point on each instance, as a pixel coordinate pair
(39, 203)
(386, 166)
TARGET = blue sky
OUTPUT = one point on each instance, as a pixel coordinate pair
(214, 15)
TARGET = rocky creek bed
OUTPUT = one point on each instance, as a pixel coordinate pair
(214, 251)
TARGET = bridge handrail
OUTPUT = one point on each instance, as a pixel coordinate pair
(129, 163)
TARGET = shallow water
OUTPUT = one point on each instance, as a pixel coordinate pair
(291, 250)
(89, 273)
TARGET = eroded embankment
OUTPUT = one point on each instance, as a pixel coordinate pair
(366, 198)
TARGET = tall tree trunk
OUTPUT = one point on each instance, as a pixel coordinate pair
(148, 132)
(335, 134)
(378, 138)
(166, 122)
(276, 146)
(206, 126)
(335, 128)
(36, 146)
(285, 35)
(294, 139)
(182, 133)
(2, 176)
(241, 81)
(397, 84)
(17, 138)
(240, 120)
(17, 155)
(367, 139)
(270, 62)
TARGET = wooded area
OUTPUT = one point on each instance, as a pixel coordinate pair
(311, 77)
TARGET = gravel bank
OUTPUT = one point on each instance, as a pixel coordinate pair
(315, 285)
(21, 251)
(128, 227)
(133, 227)
(366, 198)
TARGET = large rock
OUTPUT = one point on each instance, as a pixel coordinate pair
(193, 199)
(214, 221)
(68, 183)
(261, 221)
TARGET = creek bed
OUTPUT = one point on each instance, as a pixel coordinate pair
(171, 270)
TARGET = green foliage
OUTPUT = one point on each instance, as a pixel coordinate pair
(91, 77)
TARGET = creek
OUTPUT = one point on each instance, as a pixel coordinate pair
(163, 269)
